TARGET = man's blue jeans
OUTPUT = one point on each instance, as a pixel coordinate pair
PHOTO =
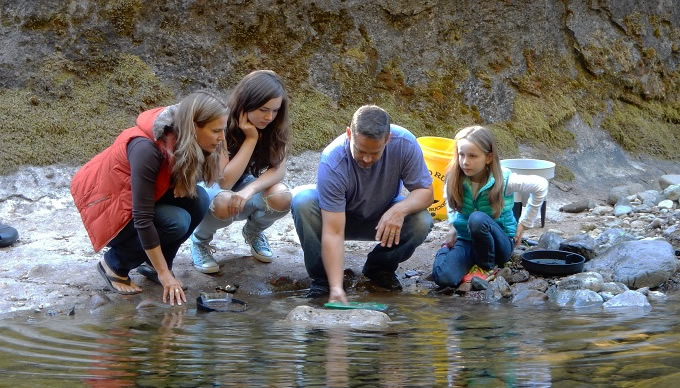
(307, 218)
(490, 246)
(175, 219)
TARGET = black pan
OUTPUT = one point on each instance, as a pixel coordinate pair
(551, 262)
(217, 301)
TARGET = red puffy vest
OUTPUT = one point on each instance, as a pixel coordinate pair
(101, 188)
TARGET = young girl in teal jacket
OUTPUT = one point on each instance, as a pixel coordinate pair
(479, 197)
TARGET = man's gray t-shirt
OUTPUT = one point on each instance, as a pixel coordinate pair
(368, 192)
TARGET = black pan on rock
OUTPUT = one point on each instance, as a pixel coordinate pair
(552, 262)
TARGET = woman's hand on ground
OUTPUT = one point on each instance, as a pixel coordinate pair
(172, 289)
(247, 127)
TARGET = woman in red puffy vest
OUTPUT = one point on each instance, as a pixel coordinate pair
(140, 196)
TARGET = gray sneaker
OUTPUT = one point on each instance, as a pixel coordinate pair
(259, 246)
(202, 255)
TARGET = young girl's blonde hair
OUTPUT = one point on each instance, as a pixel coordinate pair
(190, 163)
(486, 141)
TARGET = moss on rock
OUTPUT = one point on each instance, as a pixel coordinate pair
(62, 118)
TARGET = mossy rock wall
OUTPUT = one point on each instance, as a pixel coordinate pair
(75, 73)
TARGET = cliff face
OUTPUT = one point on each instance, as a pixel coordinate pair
(75, 72)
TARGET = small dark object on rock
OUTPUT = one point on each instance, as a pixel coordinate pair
(348, 273)
(229, 288)
(8, 235)
(479, 284)
(578, 207)
(72, 312)
(529, 243)
(411, 273)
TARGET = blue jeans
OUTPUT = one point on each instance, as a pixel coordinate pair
(256, 210)
(307, 218)
(490, 246)
(174, 218)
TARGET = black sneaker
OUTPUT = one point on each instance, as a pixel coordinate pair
(317, 290)
(385, 279)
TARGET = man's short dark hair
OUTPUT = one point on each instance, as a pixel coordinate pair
(371, 121)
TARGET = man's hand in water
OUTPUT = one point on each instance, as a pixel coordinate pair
(337, 294)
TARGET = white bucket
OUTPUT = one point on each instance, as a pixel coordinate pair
(542, 168)
(538, 167)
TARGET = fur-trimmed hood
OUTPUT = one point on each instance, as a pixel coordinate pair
(162, 124)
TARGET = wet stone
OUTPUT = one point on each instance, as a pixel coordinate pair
(479, 284)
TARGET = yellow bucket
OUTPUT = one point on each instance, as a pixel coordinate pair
(437, 152)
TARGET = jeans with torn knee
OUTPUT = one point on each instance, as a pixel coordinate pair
(256, 211)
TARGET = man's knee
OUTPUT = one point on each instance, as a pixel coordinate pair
(421, 223)
(304, 202)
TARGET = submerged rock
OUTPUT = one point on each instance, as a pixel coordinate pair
(628, 299)
(585, 280)
(529, 298)
(325, 318)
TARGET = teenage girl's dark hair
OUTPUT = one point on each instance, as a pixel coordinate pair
(252, 92)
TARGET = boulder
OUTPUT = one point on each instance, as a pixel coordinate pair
(498, 289)
(582, 244)
(611, 237)
(578, 206)
(623, 191)
(643, 263)
(622, 207)
(672, 234)
(669, 180)
(672, 193)
(549, 240)
(649, 197)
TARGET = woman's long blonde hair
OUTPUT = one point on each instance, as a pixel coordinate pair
(191, 164)
(486, 141)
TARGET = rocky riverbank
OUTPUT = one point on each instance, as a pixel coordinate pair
(51, 269)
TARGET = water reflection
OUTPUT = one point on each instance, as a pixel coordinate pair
(445, 341)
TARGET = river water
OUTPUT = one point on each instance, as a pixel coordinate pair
(432, 342)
